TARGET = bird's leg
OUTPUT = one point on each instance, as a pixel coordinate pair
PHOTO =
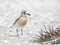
(17, 32)
(21, 31)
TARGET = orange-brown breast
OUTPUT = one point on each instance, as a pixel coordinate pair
(22, 21)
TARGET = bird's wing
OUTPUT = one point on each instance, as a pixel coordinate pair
(15, 21)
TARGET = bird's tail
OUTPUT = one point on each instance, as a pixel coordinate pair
(12, 26)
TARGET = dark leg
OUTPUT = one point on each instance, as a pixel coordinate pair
(21, 31)
(17, 32)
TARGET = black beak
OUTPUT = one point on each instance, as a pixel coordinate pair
(28, 14)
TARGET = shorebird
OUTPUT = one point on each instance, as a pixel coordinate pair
(21, 21)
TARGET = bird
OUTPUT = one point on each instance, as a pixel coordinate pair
(21, 21)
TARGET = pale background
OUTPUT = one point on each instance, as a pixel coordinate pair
(42, 12)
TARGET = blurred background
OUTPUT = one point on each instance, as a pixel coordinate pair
(42, 12)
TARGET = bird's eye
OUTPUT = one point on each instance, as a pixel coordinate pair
(24, 12)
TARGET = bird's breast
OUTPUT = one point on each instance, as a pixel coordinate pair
(22, 21)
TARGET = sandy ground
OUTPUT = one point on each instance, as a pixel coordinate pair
(42, 12)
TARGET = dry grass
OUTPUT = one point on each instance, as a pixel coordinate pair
(45, 36)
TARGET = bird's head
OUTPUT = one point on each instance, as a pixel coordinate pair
(24, 13)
